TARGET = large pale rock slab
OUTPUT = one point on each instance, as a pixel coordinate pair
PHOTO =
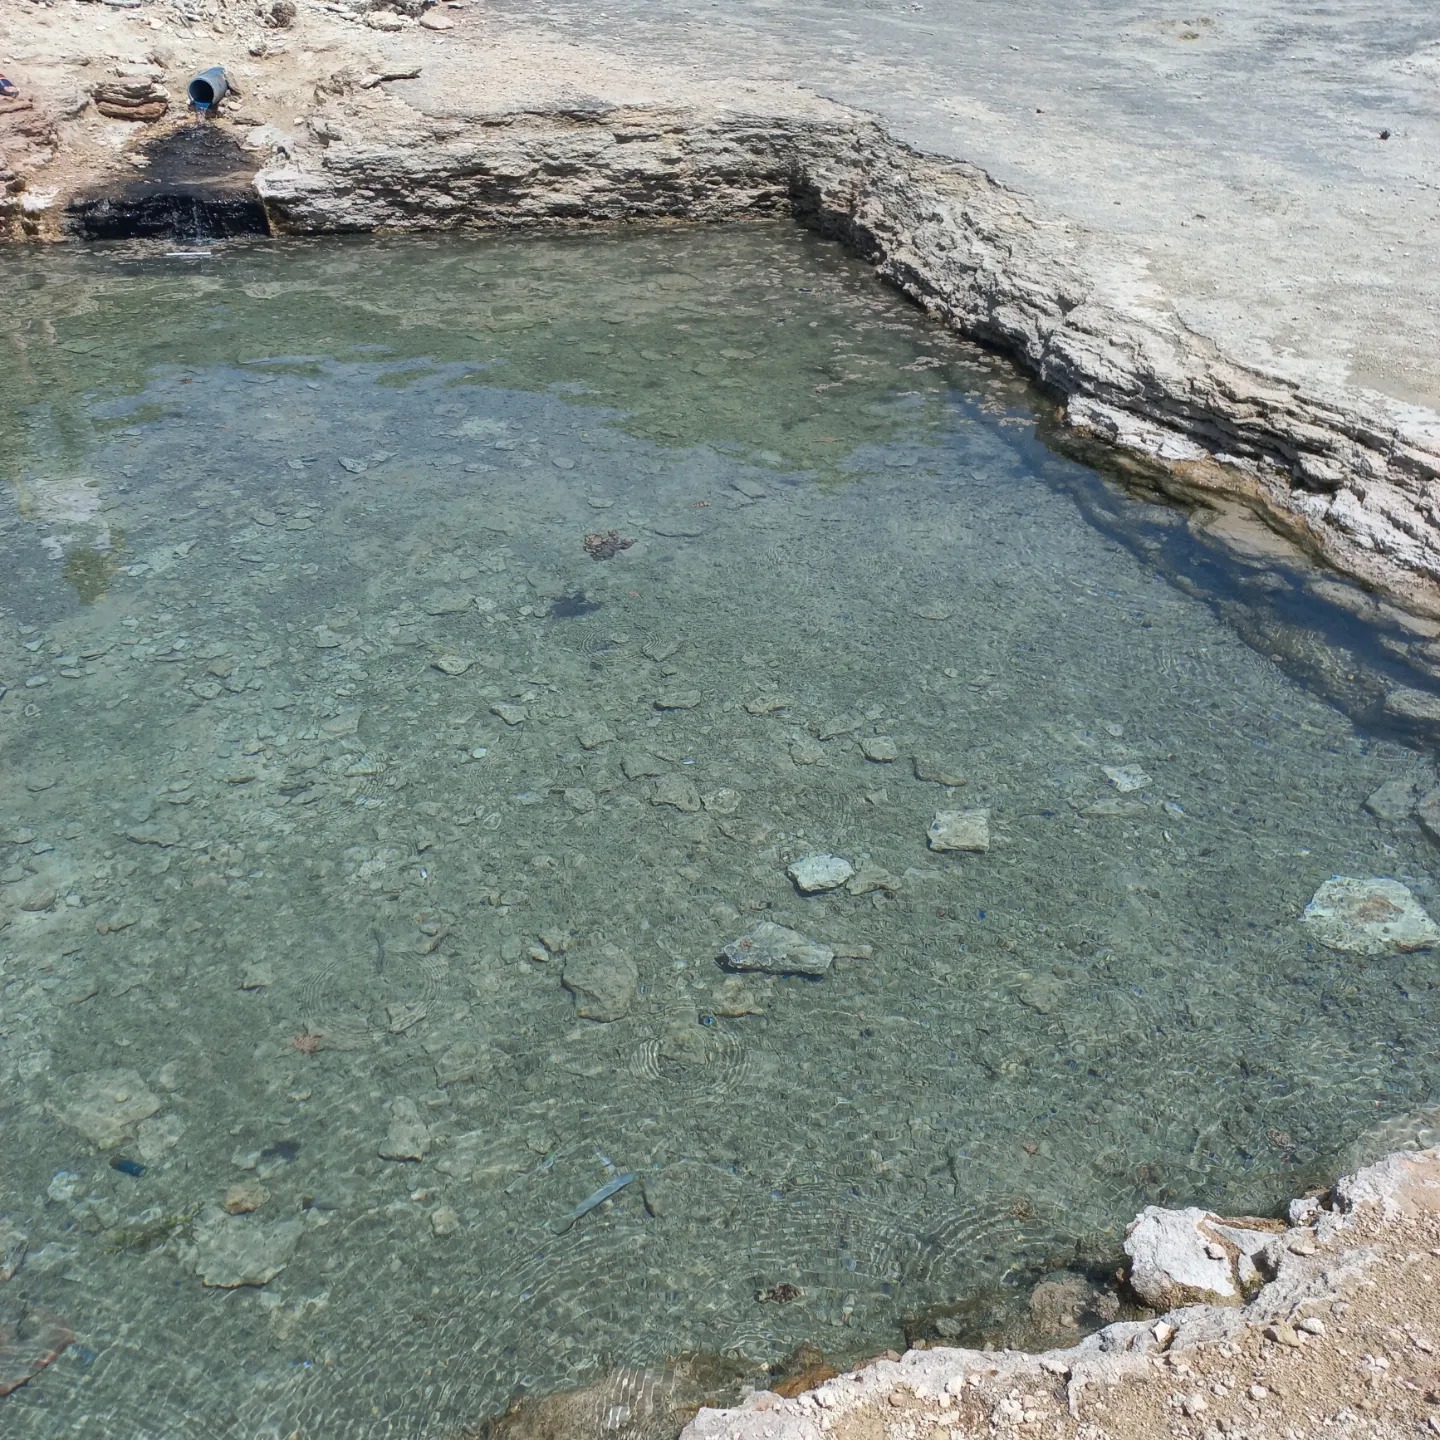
(777, 950)
(602, 981)
(960, 830)
(234, 1250)
(1369, 917)
(1191, 1257)
(105, 1106)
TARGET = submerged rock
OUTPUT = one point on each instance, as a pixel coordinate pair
(408, 1137)
(106, 1106)
(603, 983)
(232, 1250)
(1394, 800)
(814, 873)
(1408, 704)
(1369, 917)
(960, 830)
(777, 950)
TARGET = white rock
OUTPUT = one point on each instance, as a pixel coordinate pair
(960, 830)
(1369, 917)
(777, 951)
(813, 873)
(1169, 1263)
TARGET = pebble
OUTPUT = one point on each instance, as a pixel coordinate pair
(444, 1222)
(814, 873)
(768, 704)
(1311, 1325)
(510, 714)
(640, 765)
(880, 748)
(806, 751)
(451, 664)
(244, 1197)
(967, 830)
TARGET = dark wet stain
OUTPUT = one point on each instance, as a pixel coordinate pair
(127, 1166)
(569, 607)
(286, 1150)
(197, 186)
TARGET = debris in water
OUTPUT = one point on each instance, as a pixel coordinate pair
(605, 544)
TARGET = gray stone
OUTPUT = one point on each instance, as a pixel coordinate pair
(960, 830)
(451, 664)
(408, 1137)
(880, 748)
(1171, 1263)
(871, 877)
(579, 799)
(105, 1106)
(936, 772)
(805, 751)
(814, 873)
(678, 700)
(1369, 917)
(640, 765)
(594, 734)
(235, 1250)
(838, 725)
(777, 950)
(1427, 812)
(1409, 704)
(676, 790)
(1395, 799)
(510, 714)
(1126, 778)
(154, 833)
(602, 981)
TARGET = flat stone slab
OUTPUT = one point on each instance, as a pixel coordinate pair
(1369, 917)
(777, 950)
(960, 830)
(812, 874)
(235, 1250)
(106, 1106)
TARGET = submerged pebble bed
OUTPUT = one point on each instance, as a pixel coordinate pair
(430, 667)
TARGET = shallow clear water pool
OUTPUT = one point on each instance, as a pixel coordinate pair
(420, 660)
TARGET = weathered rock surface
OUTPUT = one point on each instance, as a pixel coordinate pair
(777, 950)
(1369, 917)
(1394, 800)
(602, 981)
(234, 1250)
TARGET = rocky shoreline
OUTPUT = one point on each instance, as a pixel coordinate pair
(353, 128)
(1336, 1338)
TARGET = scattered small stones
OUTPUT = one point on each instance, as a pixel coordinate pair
(812, 874)
(232, 1251)
(1369, 917)
(967, 830)
(777, 950)
(602, 981)
(408, 1137)
(605, 544)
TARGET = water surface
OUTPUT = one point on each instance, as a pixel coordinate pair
(330, 747)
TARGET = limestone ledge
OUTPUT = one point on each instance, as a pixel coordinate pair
(1350, 475)
(1325, 1248)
